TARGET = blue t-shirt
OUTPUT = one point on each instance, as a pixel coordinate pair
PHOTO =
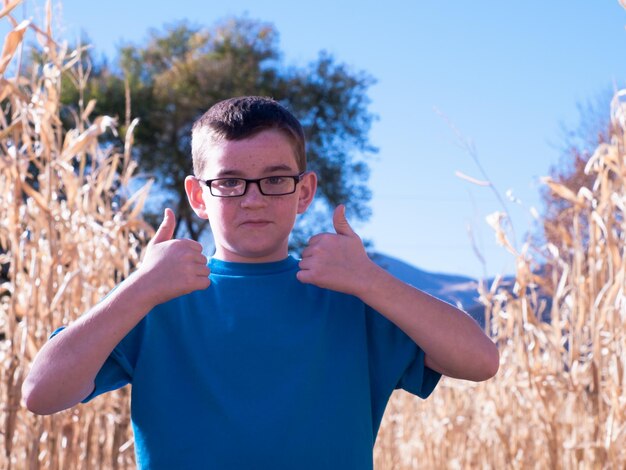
(262, 371)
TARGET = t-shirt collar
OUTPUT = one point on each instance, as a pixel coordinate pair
(251, 269)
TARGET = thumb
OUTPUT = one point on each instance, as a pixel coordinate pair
(165, 231)
(342, 227)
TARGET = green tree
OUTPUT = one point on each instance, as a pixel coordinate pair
(180, 72)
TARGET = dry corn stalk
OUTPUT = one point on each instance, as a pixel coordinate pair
(70, 231)
(67, 236)
(559, 399)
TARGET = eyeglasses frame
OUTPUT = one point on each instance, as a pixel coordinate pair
(257, 181)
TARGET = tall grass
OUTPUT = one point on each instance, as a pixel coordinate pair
(559, 399)
(69, 232)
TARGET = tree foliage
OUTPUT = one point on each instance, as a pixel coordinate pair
(579, 143)
(181, 71)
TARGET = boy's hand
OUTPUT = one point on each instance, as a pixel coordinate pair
(172, 267)
(337, 261)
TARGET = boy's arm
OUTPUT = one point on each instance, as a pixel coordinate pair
(64, 370)
(452, 341)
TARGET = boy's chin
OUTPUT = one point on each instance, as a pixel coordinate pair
(251, 255)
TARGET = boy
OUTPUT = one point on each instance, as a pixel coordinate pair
(267, 363)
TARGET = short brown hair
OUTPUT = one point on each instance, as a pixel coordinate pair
(241, 118)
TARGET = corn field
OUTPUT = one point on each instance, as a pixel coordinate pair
(558, 400)
(71, 229)
(69, 233)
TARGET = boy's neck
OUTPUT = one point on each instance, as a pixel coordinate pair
(248, 260)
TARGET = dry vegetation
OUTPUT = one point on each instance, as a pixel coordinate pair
(68, 234)
(558, 400)
(70, 231)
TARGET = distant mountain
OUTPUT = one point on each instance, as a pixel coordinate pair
(457, 290)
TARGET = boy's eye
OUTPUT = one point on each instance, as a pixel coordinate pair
(228, 183)
(275, 180)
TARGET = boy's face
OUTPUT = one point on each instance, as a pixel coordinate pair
(252, 228)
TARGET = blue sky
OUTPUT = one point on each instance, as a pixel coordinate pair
(507, 75)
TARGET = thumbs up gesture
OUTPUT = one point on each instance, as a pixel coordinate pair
(337, 261)
(172, 267)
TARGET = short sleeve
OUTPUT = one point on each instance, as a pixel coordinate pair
(396, 361)
(418, 379)
(117, 370)
(115, 373)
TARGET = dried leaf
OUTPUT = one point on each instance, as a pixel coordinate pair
(11, 43)
(15, 126)
(9, 7)
(75, 145)
(37, 197)
(88, 109)
(561, 190)
(138, 199)
(471, 179)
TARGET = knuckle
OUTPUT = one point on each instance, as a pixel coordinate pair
(187, 242)
(203, 283)
(317, 238)
(196, 245)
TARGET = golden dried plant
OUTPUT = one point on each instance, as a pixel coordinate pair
(559, 399)
(70, 231)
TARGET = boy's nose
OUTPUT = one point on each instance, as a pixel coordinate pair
(253, 196)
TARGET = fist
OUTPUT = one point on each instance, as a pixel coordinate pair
(336, 261)
(172, 267)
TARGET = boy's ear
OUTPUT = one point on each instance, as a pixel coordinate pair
(308, 186)
(194, 191)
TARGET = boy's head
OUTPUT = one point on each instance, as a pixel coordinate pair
(250, 177)
(240, 118)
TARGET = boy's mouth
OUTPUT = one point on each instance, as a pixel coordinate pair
(256, 223)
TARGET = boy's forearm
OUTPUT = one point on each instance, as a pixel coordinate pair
(64, 371)
(453, 342)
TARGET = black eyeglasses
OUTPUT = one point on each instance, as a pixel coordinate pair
(268, 186)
